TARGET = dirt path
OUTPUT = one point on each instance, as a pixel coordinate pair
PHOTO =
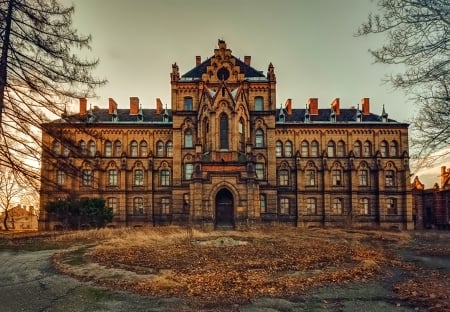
(29, 283)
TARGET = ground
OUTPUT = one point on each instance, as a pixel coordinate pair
(272, 269)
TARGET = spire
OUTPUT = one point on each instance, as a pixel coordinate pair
(307, 116)
(140, 115)
(358, 116)
(166, 115)
(384, 115)
(115, 116)
(91, 116)
(281, 115)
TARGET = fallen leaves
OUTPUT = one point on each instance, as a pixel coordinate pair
(283, 266)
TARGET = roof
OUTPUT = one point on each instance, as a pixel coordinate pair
(102, 115)
(345, 115)
(249, 71)
(151, 117)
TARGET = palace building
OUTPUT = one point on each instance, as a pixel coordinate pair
(224, 155)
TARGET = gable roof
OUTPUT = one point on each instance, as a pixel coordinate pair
(197, 71)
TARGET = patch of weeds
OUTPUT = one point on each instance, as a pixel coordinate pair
(94, 294)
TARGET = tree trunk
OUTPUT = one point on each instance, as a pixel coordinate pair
(5, 220)
(4, 57)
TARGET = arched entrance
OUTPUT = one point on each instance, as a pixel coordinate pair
(224, 209)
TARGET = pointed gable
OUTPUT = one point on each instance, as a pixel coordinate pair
(223, 66)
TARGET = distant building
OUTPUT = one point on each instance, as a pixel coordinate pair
(225, 156)
(20, 218)
(431, 207)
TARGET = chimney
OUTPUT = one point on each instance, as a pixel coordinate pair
(134, 105)
(313, 104)
(335, 106)
(288, 106)
(83, 106)
(365, 106)
(159, 106)
(247, 60)
(112, 106)
(198, 60)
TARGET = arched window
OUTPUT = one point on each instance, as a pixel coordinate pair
(357, 149)
(391, 206)
(60, 177)
(188, 170)
(91, 147)
(367, 152)
(82, 146)
(310, 175)
(117, 148)
(169, 149)
(337, 206)
(314, 148)
(188, 103)
(188, 139)
(134, 149)
(288, 149)
(363, 176)
(393, 150)
(331, 149)
(241, 131)
(143, 151)
(112, 203)
(259, 103)
(389, 178)
(262, 203)
(383, 149)
(66, 151)
(160, 149)
(336, 176)
(223, 131)
(305, 149)
(260, 171)
(138, 177)
(56, 148)
(284, 206)
(341, 149)
(138, 206)
(278, 149)
(364, 208)
(311, 206)
(165, 177)
(165, 205)
(259, 138)
(283, 177)
(108, 149)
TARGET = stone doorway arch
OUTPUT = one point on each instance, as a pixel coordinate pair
(224, 209)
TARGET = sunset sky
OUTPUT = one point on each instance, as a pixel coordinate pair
(310, 43)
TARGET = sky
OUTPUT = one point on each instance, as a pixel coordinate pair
(311, 44)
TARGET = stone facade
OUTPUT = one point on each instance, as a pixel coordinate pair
(225, 156)
(431, 207)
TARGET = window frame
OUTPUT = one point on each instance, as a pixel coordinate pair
(113, 177)
(283, 177)
(311, 206)
(284, 206)
(259, 138)
(138, 177)
(164, 179)
(363, 177)
(336, 177)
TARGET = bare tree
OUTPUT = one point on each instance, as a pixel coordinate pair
(418, 40)
(39, 72)
(10, 191)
